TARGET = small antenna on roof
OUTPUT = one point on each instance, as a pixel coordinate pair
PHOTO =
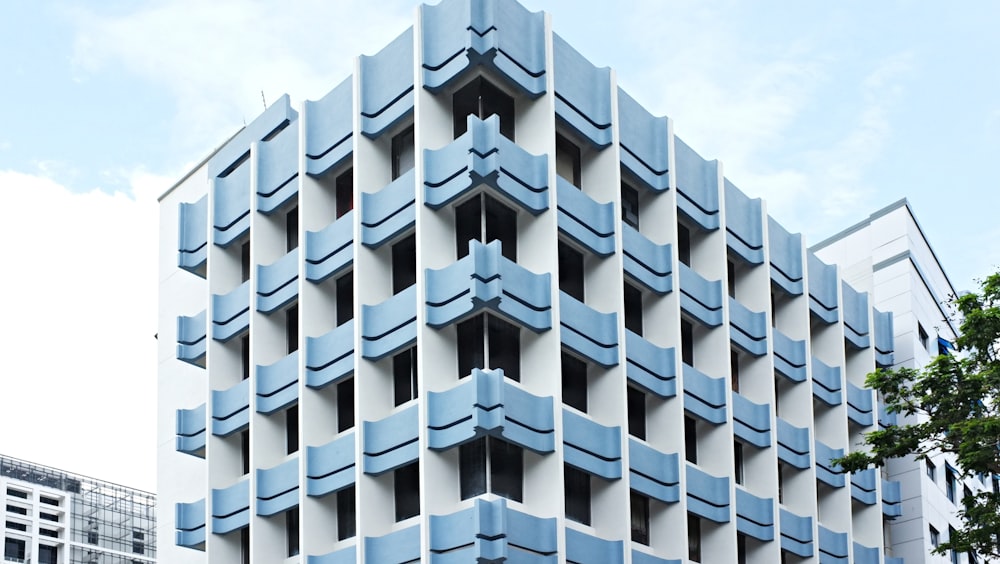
(263, 99)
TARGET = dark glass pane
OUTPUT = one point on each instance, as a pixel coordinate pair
(345, 298)
(292, 531)
(402, 153)
(292, 328)
(731, 276)
(404, 376)
(245, 451)
(630, 205)
(482, 99)
(568, 160)
(577, 495)
(639, 510)
(506, 469)
(245, 355)
(292, 229)
(292, 429)
(571, 271)
(345, 405)
(683, 244)
(633, 309)
(406, 485)
(245, 261)
(738, 462)
(468, 225)
(345, 192)
(470, 345)
(501, 225)
(404, 264)
(346, 510)
(574, 382)
(505, 347)
(694, 538)
(472, 468)
(734, 368)
(690, 440)
(636, 413)
(245, 545)
(687, 342)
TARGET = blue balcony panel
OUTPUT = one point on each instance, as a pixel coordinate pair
(231, 313)
(191, 338)
(863, 486)
(582, 548)
(894, 560)
(191, 431)
(231, 409)
(231, 218)
(786, 258)
(391, 442)
(754, 515)
(861, 405)
(885, 419)
(330, 357)
(752, 421)
(189, 519)
(389, 212)
(644, 141)
(278, 488)
(329, 129)
(832, 546)
(386, 83)
(347, 555)
(330, 467)
(744, 224)
(697, 186)
(892, 499)
(390, 326)
(277, 116)
(398, 546)
(192, 236)
(489, 531)
(231, 507)
(459, 35)
(652, 368)
(588, 332)
(277, 384)
(822, 289)
(826, 471)
(330, 250)
(796, 533)
(639, 557)
(486, 280)
(856, 318)
(646, 262)
(704, 396)
(277, 170)
(707, 495)
(883, 338)
(584, 220)
(701, 298)
(482, 156)
(488, 404)
(277, 283)
(749, 328)
(789, 356)
(592, 447)
(868, 555)
(653, 473)
(827, 382)
(793, 444)
(583, 93)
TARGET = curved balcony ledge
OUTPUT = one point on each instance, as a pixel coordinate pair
(588, 332)
(272, 120)
(191, 431)
(485, 279)
(707, 495)
(277, 169)
(277, 384)
(391, 442)
(823, 289)
(796, 533)
(704, 396)
(868, 555)
(856, 318)
(398, 546)
(231, 218)
(231, 313)
(827, 383)
(330, 250)
(883, 338)
(592, 447)
(697, 186)
(653, 473)
(789, 357)
(347, 555)
(583, 93)
(390, 326)
(891, 499)
(748, 328)
(278, 488)
(793, 444)
(329, 129)
(330, 357)
(192, 339)
(488, 404)
(754, 515)
(744, 224)
(861, 405)
(786, 258)
(646, 558)
(646, 262)
(491, 532)
(699, 297)
(650, 367)
(826, 471)
(231, 507)
(751, 421)
(389, 212)
(460, 35)
(582, 548)
(189, 519)
(644, 142)
(863, 486)
(330, 467)
(584, 220)
(192, 236)
(832, 546)
(231, 409)
(885, 419)
(482, 156)
(277, 283)
(386, 84)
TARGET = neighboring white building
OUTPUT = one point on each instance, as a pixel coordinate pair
(477, 304)
(888, 256)
(54, 517)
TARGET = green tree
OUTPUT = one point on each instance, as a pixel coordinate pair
(956, 404)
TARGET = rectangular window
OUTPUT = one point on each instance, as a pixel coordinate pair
(48, 554)
(14, 549)
(571, 271)
(346, 513)
(17, 493)
(292, 429)
(49, 517)
(734, 370)
(639, 513)
(922, 336)
(488, 342)
(781, 483)
(406, 489)
(292, 328)
(404, 376)
(292, 229)
(482, 99)
(636, 413)
(630, 205)
(404, 264)
(738, 462)
(345, 298)
(15, 526)
(935, 536)
(245, 356)
(345, 405)
(17, 510)
(484, 219)
(731, 277)
(138, 547)
(741, 548)
(245, 545)
(491, 465)
(345, 192)
(683, 244)
(245, 261)
(245, 451)
(694, 538)
(687, 342)
(931, 470)
(949, 484)
(568, 160)
(690, 440)
(633, 309)
(577, 490)
(292, 531)
(967, 497)
(403, 153)
(574, 382)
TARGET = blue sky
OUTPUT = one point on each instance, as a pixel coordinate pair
(827, 110)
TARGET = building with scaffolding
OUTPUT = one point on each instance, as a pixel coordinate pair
(55, 517)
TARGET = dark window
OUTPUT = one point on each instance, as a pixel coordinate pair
(345, 405)
(498, 223)
(922, 335)
(49, 516)
(687, 342)
(16, 526)
(345, 298)
(245, 261)
(501, 347)
(48, 554)
(245, 545)
(292, 429)
(345, 192)
(403, 153)
(949, 484)
(574, 382)
(245, 451)
(694, 538)
(292, 328)
(48, 533)
(633, 309)
(636, 413)
(17, 493)
(931, 470)
(50, 501)
(781, 483)
(738, 462)
(630, 205)
(731, 276)
(13, 549)
(481, 99)
(683, 244)
(967, 499)
(741, 548)
(245, 356)
(292, 531)
(639, 512)
(935, 536)
(404, 264)
(570, 271)
(690, 440)
(734, 369)
(406, 486)
(568, 160)
(346, 511)
(138, 547)
(491, 465)
(577, 490)
(292, 229)
(92, 535)
(404, 376)
(16, 509)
